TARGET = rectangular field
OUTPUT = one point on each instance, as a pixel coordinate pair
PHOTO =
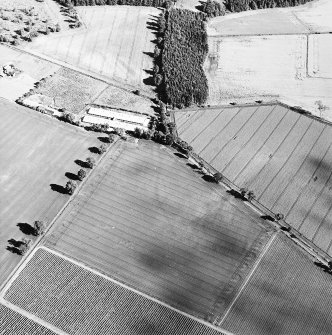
(36, 152)
(71, 90)
(268, 66)
(114, 43)
(283, 156)
(13, 323)
(81, 302)
(287, 294)
(146, 219)
(119, 98)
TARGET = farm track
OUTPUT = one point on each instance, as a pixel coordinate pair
(284, 157)
(140, 236)
(126, 312)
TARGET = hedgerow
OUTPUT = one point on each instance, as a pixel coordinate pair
(179, 57)
(242, 5)
(149, 3)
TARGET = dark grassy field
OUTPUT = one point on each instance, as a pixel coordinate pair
(147, 219)
(283, 156)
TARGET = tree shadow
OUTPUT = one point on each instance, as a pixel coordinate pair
(15, 243)
(149, 81)
(26, 228)
(103, 139)
(150, 54)
(94, 150)
(268, 218)
(323, 266)
(178, 154)
(58, 188)
(14, 250)
(193, 166)
(236, 195)
(81, 163)
(71, 176)
(208, 178)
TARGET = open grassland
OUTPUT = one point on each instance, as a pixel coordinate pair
(119, 98)
(33, 69)
(284, 157)
(287, 294)
(309, 18)
(70, 90)
(114, 44)
(12, 323)
(256, 66)
(36, 151)
(81, 302)
(146, 219)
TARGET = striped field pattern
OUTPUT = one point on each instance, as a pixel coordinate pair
(81, 302)
(146, 219)
(13, 323)
(283, 156)
(287, 294)
(114, 43)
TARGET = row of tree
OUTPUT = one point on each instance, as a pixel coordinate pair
(179, 57)
(149, 3)
(161, 129)
(242, 5)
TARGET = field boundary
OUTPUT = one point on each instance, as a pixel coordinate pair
(32, 317)
(244, 284)
(254, 204)
(112, 82)
(82, 265)
(50, 225)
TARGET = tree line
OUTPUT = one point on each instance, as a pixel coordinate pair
(148, 3)
(179, 55)
(242, 5)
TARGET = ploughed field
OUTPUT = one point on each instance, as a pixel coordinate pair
(113, 44)
(281, 155)
(147, 219)
(36, 151)
(81, 302)
(287, 294)
(12, 322)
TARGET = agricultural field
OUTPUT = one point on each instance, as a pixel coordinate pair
(115, 44)
(283, 156)
(70, 90)
(312, 17)
(83, 302)
(12, 322)
(287, 294)
(33, 69)
(271, 66)
(115, 97)
(147, 219)
(319, 56)
(36, 152)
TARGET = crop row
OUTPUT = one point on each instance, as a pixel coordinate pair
(12, 323)
(81, 302)
(287, 294)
